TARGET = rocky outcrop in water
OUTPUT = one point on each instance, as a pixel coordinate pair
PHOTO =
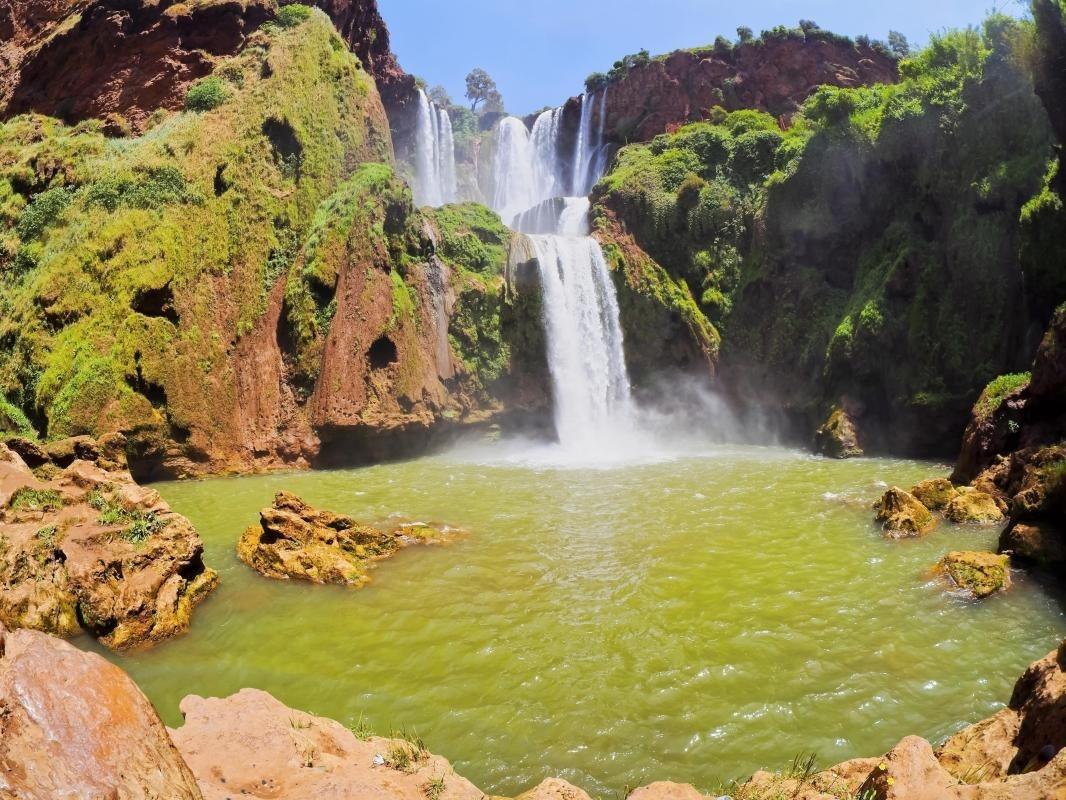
(980, 574)
(72, 725)
(294, 540)
(838, 438)
(99, 58)
(902, 515)
(83, 547)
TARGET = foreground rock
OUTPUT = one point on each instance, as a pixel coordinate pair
(902, 515)
(251, 745)
(935, 493)
(73, 725)
(294, 540)
(970, 506)
(83, 546)
(980, 574)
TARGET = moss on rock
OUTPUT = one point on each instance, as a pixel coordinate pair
(980, 574)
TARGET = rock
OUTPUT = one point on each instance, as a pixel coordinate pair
(910, 771)
(902, 515)
(554, 789)
(73, 725)
(838, 437)
(935, 493)
(972, 506)
(251, 745)
(983, 751)
(981, 574)
(90, 549)
(1037, 542)
(294, 540)
(668, 791)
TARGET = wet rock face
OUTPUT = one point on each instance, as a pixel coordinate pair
(73, 725)
(902, 515)
(83, 547)
(774, 76)
(970, 506)
(93, 58)
(935, 493)
(251, 745)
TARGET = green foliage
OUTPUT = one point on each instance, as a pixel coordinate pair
(13, 420)
(481, 89)
(158, 187)
(208, 94)
(292, 15)
(137, 525)
(43, 212)
(997, 391)
(28, 499)
(472, 237)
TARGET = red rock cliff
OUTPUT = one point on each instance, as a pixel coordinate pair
(92, 58)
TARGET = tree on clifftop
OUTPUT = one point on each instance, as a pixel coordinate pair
(898, 44)
(481, 88)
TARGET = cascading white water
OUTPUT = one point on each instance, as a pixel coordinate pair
(586, 356)
(435, 178)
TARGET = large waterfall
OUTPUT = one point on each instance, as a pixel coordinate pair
(541, 191)
(435, 179)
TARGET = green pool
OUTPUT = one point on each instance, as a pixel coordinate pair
(691, 618)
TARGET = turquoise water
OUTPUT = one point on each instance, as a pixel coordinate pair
(692, 618)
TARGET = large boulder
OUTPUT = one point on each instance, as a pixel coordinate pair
(902, 515)
(935, 493)
(74, 726)
(554, 789)
(980, 574)
(251, 745)
(838, 437)
(970, 506)
(89, 548)
(1036, 542)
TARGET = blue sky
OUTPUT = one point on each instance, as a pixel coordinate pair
(539, 51)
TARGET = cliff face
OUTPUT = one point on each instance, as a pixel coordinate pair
(93, 58)
(246, 287)
(776, 76)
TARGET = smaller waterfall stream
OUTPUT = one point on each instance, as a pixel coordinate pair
(435, 178)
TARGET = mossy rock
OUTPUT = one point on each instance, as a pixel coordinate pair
(838, 437)
(935, 493)
(970, 506)
(979, 573)
(902, 515)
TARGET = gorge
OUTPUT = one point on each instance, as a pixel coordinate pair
(650, 359)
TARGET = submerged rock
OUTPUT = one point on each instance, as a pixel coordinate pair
(294, 540)
(72, 725)
(935, 493)
(975, 507)
(982, 574)
(88, 548)
(838, 437)
(902, 515)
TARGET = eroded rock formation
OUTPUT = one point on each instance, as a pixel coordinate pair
(980, 574)
(294, 540)
(902, 515)
(83, 547)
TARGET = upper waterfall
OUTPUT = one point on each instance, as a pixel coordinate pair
(542, 191)
(435, 180)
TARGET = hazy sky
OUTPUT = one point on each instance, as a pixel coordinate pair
(540, 51)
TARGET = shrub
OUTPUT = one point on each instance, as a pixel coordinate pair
(43, 211)
(996, 392)
(207, 94)
(292, 15)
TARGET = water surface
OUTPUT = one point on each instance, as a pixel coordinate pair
(693, 619)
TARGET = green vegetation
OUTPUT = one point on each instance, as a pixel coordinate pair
(130, 268)
(137, 525)
(872, 249)
(207, 94)
(997, 391)
(292, 15)
(28, 499)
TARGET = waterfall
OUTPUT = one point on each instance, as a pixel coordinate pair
(586, 356)
(435, 177)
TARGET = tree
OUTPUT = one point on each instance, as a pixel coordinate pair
(808, 25)
(440, 96)
(745, 34)
(481, 88)
(898, 44)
